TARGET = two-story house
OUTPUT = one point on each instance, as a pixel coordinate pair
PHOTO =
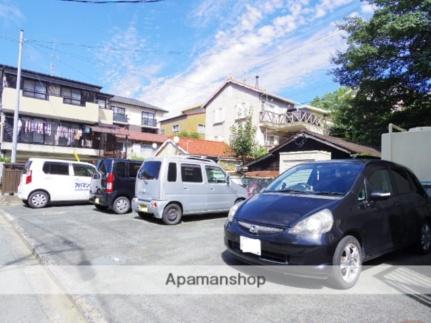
(142, 120)
(191, 120)
(274, 117)
(60, 118)
(55, 118)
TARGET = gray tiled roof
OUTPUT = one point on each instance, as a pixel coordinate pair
(121, 99)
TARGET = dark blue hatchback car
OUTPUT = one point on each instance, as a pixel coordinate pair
(332, 216)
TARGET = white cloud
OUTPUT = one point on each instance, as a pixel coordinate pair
(10, 12)
(123, 60)
(256, 45)
(327, 6)
(266, 39)
(368, 8)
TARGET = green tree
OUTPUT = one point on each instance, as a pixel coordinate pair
(258, 151)
(339, 103)
(242, 139)
(387, 62)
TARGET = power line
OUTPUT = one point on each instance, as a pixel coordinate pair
(111, 1)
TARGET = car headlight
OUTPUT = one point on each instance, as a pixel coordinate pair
(316, 224)
(232, 211)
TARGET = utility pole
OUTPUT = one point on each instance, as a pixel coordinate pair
(18, 95)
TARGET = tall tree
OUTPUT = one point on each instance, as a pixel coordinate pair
(388, 63)
(242, 139)
(339, 103)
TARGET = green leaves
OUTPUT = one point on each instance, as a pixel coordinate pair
(242, 138)
(388, 63)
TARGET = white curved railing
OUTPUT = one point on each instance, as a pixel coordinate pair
(292, 118)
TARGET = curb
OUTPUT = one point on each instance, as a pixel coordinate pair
(88, 312)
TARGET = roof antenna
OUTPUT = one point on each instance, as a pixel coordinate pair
(257, 82)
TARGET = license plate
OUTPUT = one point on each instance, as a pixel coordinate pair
(143, 208)
(250, 245)
(96, 200)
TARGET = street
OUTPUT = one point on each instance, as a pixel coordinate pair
(81, 235)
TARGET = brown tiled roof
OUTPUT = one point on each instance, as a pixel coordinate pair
(147, 137)
(208, 148)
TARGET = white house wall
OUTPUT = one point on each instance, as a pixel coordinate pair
(229, 101)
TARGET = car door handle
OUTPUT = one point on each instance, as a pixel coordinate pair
(186, 188)
(211, 188)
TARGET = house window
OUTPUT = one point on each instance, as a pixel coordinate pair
(272, 140)
(201, 128)
(243, 110)
(71, 96)
(149, 119)
(119, 110)
(176, 128)
(101, 102)
(35, 89)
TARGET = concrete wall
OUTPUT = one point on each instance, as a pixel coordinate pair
(105, 116)
(411, 149)
(229, 103)
(188, 123)
(52, 108)
(290, 159)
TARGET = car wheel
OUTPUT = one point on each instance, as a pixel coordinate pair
(172, 214)
(121, 205)
(425, 238)
(347, 263)
(38, 199)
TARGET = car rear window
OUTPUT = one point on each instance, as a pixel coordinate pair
(150, 170)
(56, 168)
(27, 167)
(104, 166)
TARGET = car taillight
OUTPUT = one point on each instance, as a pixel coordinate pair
(28, 177)
(110, 178)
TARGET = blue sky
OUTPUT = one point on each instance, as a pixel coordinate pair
(176, 53)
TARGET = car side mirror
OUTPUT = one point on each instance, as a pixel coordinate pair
(379, 196)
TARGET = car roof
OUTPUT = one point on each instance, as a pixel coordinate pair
(186, 159)
(122, 160)
(363, 161)
(58, 160)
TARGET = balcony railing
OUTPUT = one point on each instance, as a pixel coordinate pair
(121, 117)
(149, 122)
(292, 118)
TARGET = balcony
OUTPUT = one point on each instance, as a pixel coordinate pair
(149, 122)
(293, 121)
(121, 118)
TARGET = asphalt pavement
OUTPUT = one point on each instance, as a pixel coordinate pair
(81, 235)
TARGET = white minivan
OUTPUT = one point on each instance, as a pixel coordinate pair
(51, 180)
(171, 187)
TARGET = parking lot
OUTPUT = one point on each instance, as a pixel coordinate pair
(81, 235)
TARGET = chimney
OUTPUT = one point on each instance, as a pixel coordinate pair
(257, 82)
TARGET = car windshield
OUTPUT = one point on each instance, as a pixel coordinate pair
(318, 178)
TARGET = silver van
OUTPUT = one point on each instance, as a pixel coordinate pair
(171, 187)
